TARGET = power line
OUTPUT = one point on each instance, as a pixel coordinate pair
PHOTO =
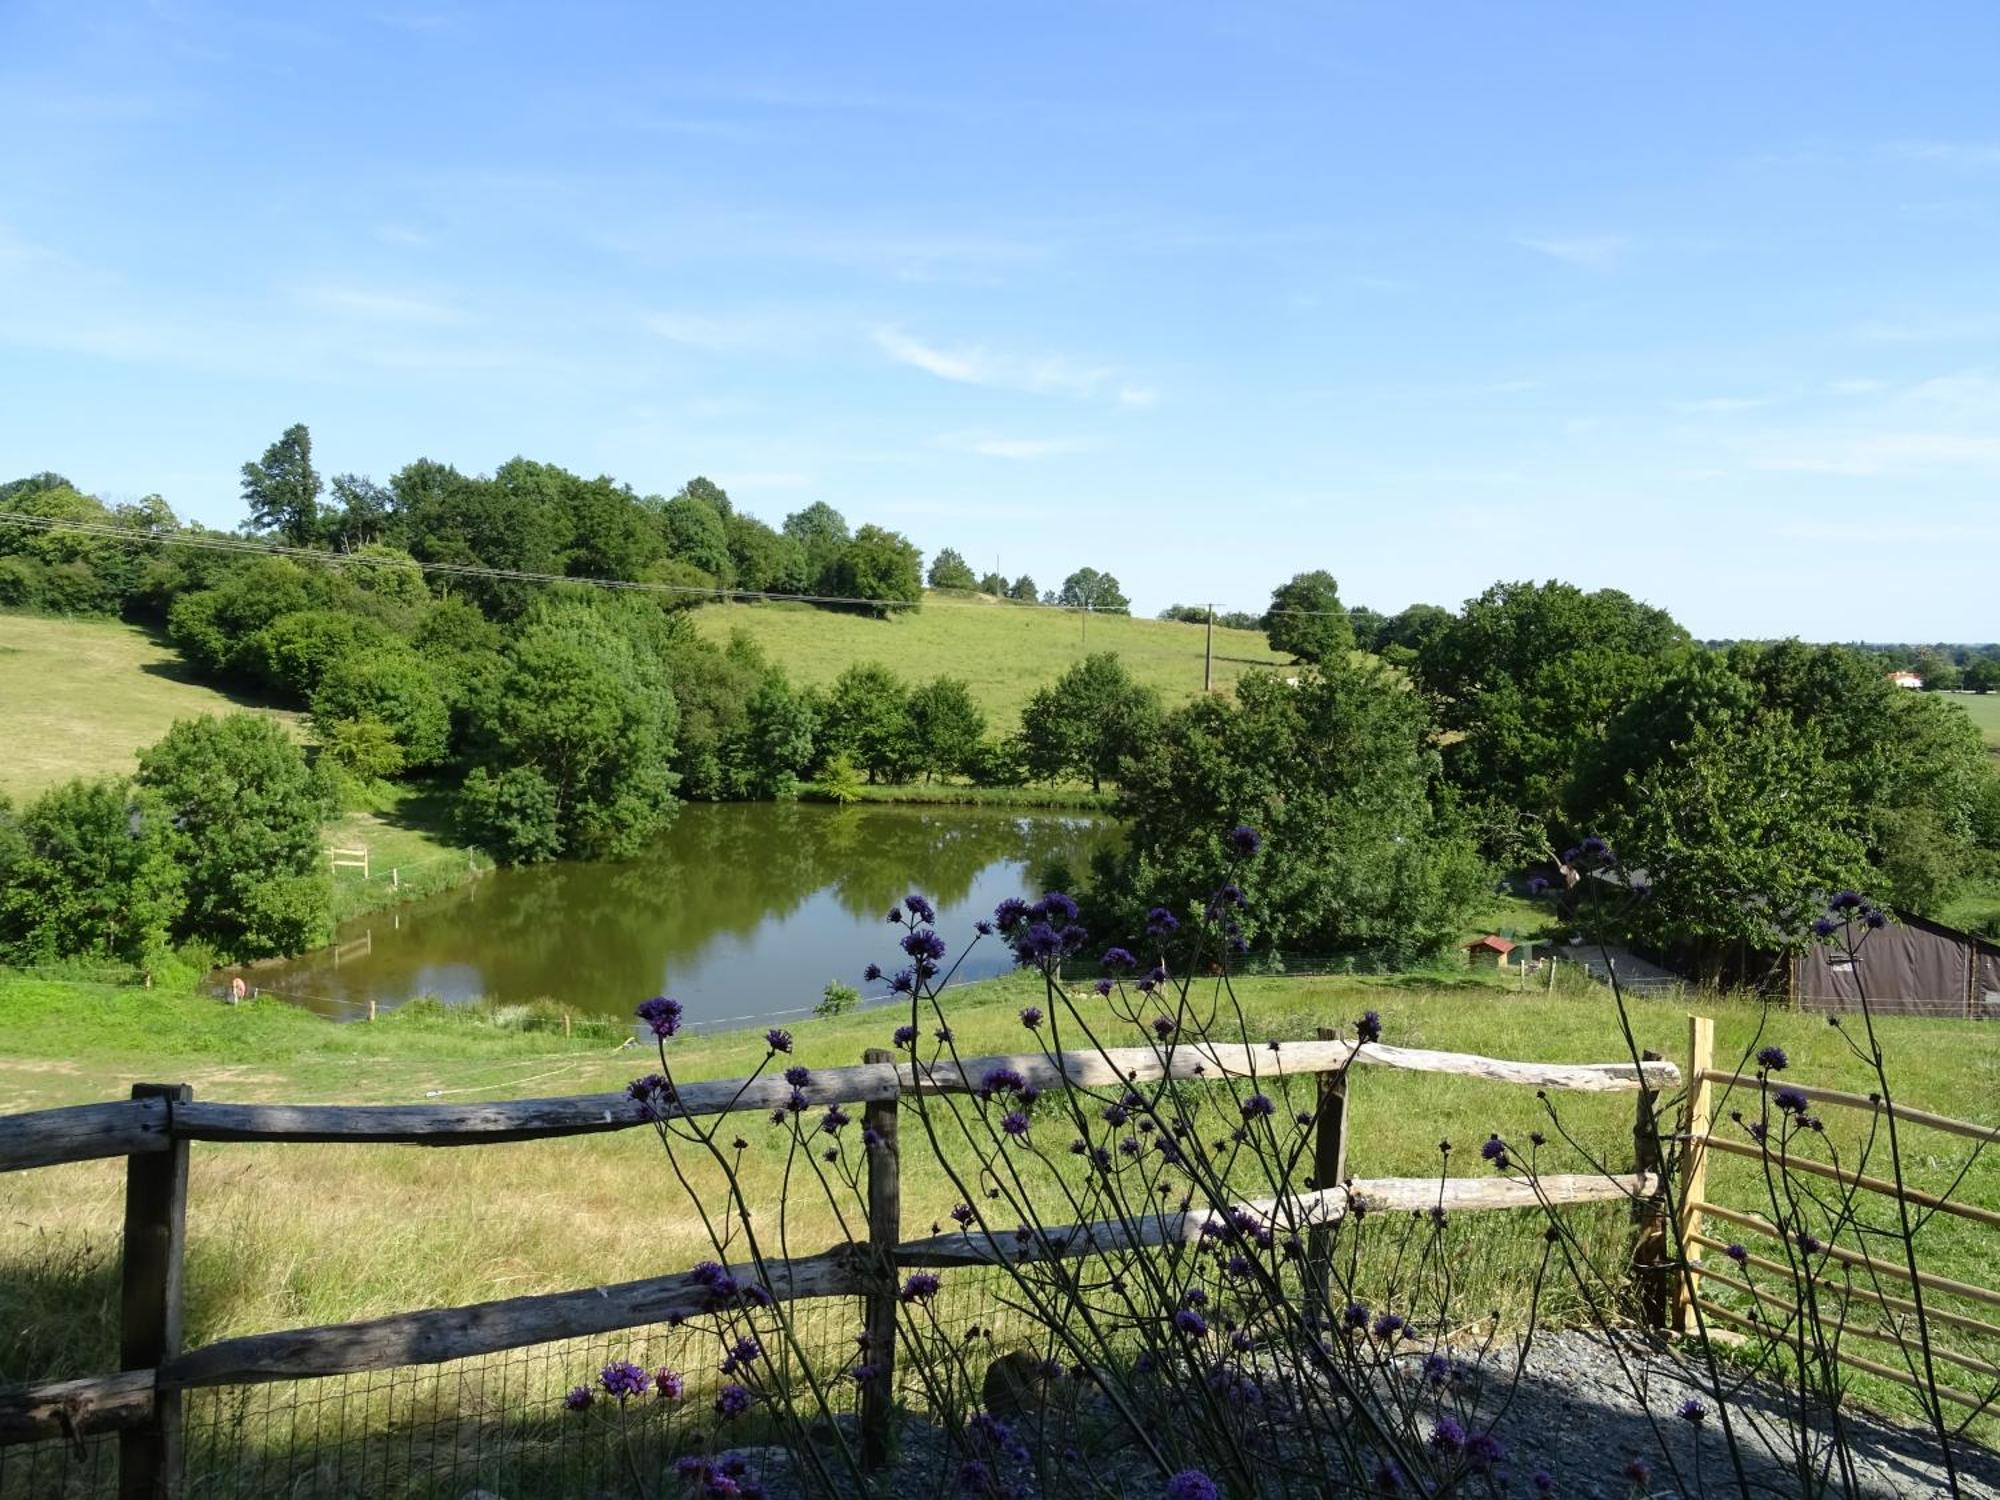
(212, 542)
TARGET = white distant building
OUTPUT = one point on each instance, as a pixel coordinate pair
(1905, 680)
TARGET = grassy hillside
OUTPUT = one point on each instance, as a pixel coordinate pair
(83, 697)
(1003, 651)
(1984, 709)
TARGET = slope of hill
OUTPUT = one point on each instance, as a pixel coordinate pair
(1002, 651)
(84, 697)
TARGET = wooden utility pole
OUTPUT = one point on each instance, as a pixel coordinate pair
(149, 1302)
(1208, 655)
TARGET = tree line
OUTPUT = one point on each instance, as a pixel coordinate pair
(1409, 762)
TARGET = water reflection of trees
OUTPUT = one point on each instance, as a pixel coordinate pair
(719, 872)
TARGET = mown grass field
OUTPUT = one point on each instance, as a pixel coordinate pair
(1004, 652)
(1984, 710)
(84, 697)
(289, 1235)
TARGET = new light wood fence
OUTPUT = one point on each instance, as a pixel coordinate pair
(1837, 1309)
(154, 1129)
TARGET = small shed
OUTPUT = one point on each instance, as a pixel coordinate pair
(1913, 967)
(1906, 679)
(1489, 952)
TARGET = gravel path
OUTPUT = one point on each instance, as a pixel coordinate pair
(1576, 1414)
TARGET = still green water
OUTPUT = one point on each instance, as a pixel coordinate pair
(743, 911)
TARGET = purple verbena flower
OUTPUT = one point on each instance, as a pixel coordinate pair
(1031, 1016)
(1162, 923)
(732, 1401)
(579, 1398)
(1010, 914)
(1692, 1411)
(668, 1385)
(1369, 1027)
(1244, 841)
(778, 1039)
(1118, 960)
(905, 1036)
(1448, 1436)
(663, 1015)
(622, 1379)
(1014, 1123)
(920, 1287)
(1258, 1106)
(1790, 1100)
(921, 909)
(1191, 1323)
(1191, 1484)
(1772, 1059)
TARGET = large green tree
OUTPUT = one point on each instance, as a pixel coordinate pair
(697, 535)
(950, 570)
(946, 726)
(395, 686)
(573, 743)
(1307, 621)
(1361, 850)
(1734, 843)
(1088, 723)
(282, 488)
(1087, 588)
(87, 869)
(866, 717)
(822, 534)
(245, 812)
(1526, 679)
(882, 567)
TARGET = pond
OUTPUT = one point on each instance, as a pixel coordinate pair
(743, 911)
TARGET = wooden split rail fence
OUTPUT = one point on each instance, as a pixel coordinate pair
(154, 1129)
(1772, 1315)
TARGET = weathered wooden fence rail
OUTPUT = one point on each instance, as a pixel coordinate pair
(154, 1129)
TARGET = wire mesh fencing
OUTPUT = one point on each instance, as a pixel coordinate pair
(496, 1424)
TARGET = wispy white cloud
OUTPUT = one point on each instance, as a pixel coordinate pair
(967, 366)
(1967, 390)
(1721, 405)
(1042, 375)
(1011, 448)
(379, 306)
(1950, 153)
(1882, 453)
(784, 332)
(1861, 385)
(1593, 250)
(1946, 328)
(401, 234)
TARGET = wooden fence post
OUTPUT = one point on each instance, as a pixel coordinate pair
(885, 1227)
(1650, 1271)
(149, 1455)
(1694, 1164)
(1329, 1165)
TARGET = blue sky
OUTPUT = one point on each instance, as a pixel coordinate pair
(1702, 302)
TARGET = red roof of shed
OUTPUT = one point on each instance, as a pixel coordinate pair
(1496, 943)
